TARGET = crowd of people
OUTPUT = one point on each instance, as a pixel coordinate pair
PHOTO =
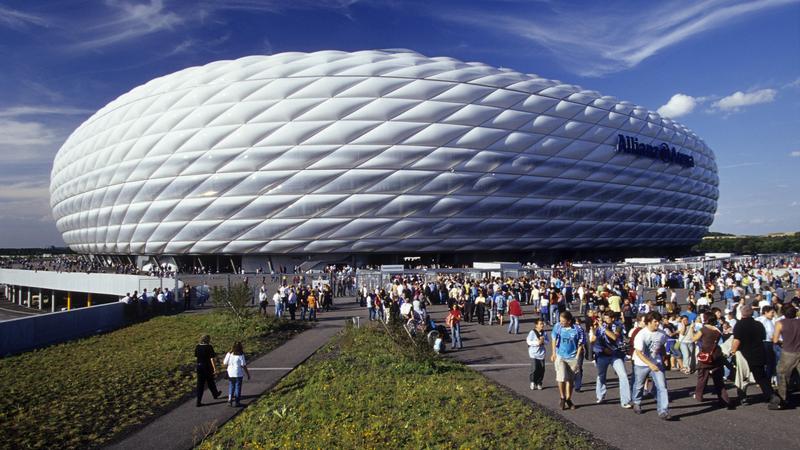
(627, 317)
(297, 300)
(158, 301)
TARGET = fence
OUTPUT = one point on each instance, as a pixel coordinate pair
(589, 273)
(28, 333)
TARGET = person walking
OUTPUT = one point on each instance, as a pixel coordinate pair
(537, 347)
(607, 339)
(291, 303)
(453, 320)
(710, 361)
(312, 307)
(480, 307)
(567, 347)
(278, 300)
(648, 351)
(515, 313)
(748, 338)
(206, 369)
(787, 329)
(237, 368)
(262, 301)
(685, 334)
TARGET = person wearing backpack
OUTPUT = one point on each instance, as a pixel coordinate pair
(537, 347)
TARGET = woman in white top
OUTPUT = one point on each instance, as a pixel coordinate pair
(237, 367)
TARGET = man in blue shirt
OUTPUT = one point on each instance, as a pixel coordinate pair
(607, 341)
(567, 347)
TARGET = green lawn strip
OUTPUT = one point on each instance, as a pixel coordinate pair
(85, 393)
(370, 390)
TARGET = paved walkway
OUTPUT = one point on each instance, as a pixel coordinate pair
(185, 426)
(504, 358)
(9, 310)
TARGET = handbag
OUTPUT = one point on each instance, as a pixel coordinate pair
(707, 357)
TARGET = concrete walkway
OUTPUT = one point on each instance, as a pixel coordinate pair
(185, 426)
(504, 358)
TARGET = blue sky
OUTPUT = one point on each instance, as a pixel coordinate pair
(729, 70)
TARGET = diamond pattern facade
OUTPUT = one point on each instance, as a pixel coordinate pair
(372, 151)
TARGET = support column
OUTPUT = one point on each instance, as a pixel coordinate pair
(69, 301)
(41, 299)
(19, 295)
(89, 299)
(52, 301)
(29, 297)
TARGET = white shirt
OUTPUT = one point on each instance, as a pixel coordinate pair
(236, 364)
(650, 344)
(769, 327)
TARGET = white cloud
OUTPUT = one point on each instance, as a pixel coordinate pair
(15, 134)
(678, 105)
(608, 37)
(129, 21)
(795, 154)
(740, 99)
(19, 20)
(27, 110)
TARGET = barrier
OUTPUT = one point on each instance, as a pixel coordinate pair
(29, 333)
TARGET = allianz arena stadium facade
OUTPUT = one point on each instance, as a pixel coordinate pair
(376, 152)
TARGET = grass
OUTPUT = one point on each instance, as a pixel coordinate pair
(370, 389)
(85, 393)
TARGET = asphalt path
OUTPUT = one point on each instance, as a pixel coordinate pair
(504, 358)
(10, 311)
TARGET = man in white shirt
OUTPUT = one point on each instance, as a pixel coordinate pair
(766, 319)
(647, 360)
(278, 300)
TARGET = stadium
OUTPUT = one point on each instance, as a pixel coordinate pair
(374, 156)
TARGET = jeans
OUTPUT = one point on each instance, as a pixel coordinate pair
(372, 313)
(303, 312)
(578, 381)
(771, 362)
(618, 364)
(687, 352)
(514, 324)
(312, 314)
(455, 331)
(234, 389)
(660, 383)
(544, 312)
(279, 309)
(554, 314)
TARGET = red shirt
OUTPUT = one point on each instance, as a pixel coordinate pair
(514, 308)
(455, 316)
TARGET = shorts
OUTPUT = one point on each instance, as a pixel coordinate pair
(501, 310)
(566, 369)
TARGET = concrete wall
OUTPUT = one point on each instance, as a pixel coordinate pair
(95, 283)
(28, 333)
